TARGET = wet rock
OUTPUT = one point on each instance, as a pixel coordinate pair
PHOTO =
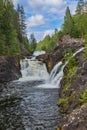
(9, 68)
(77, 120)
(74, 119)
(85, 65)
(58, 53)
(77, 84)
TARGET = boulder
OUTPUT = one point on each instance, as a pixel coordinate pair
(56, 55)
(77, 120)
(75, 112)
(9, 68)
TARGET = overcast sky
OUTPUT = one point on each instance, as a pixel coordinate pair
(43, 16)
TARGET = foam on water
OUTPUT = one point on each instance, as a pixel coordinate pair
(36, 70)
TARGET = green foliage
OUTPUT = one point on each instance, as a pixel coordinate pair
(63, 101)
(71, 67)
(68, 25)
(33, 43)
(2, 44)
(85, 51)
(80, 18)
(21, 23)
(75, 25)
(26, 43)
(72, 63)
(13, 47)
(48, 42)
(70, 70)
(68, 54)
(10, 29)
(84, 97)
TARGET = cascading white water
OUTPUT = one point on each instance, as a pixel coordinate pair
(33, 70)
(37, 53)
(54, 71)
(55, 77)
(81, 49)
(24, 67)
(36, 70)
(57, 74)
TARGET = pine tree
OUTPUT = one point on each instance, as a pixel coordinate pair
(12, 46)
(68, 22)
(21, 23)
(32, 42)
(81, 18)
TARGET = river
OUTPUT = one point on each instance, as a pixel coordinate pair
(30, 103)
(24, 106)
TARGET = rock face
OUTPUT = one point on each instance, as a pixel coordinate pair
(69, 40)
(58, 53)
(73, 84)
(9, 68)
(52, 58)
(77, 120)
(77, 83)
(72, 103)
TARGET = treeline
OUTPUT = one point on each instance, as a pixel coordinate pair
(75, 25)
(13, 38)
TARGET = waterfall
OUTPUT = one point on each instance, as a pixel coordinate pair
(81, 49)
(33, 70)
(24, 67)
(55, 77)
(55, 70)
(37, 53)
(57, 74)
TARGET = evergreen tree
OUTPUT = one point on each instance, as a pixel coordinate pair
(32, 42)
(68, 22)
(12, 29)
(8, 28)
(78, 9)
(21, 23)
(80, 18)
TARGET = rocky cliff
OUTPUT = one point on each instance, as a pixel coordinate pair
(73, 89)
(73, 94)
(9, 68)
(59, 51)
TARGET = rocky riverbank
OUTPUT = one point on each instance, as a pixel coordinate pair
(68, 45)
(73, 94)
(9, 68)
(73, 90)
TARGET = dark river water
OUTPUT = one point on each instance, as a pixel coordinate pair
(24, 106)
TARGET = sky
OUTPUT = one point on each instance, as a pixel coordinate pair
(44, 16)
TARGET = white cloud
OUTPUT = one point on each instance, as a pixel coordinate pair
(35, 21)
(48, 32)
(53, 10)
(53, 2)
(35, 3)
(15, 2)
(43, 3)
(39, 35)
(45, 12)
(72, 7)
